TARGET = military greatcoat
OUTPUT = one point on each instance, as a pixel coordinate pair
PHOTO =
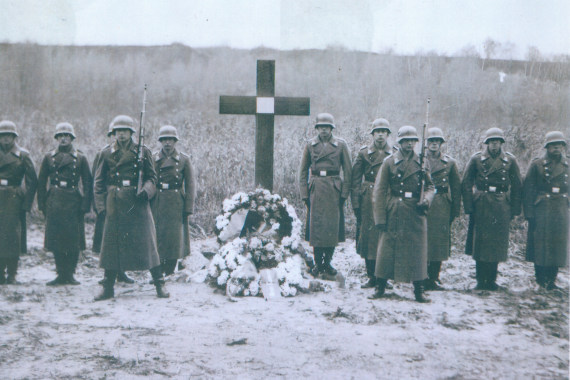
(176, 190)
(100, 221)
(364, 171)
(129, 236)
(65, 188)
(546, 203)
(445, 207)
(18, 182)
(491, 190)
(321, 183)
(402, 249)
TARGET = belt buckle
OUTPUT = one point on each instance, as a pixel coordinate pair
(3, 182)
(323, 173)
(126, 182)
(492, 189)
(555, 190)
(62, 183)
(408, 194)
(165, 186)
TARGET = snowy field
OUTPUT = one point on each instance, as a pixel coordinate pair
(518, 332)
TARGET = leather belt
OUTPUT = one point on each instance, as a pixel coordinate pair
(124, 183)
(494, 189)
(168, 186)
(7, 182)
(64, 184)
(324, 173)
(406, 194)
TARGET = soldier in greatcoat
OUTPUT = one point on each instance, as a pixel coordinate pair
(65, 186)
(400, 206)
(491, 189)
(174, 200)
(546, 203)
(366, 167)
(100, 219)
(324, 191)
(18, 182)
(129, 236)
(445, 207)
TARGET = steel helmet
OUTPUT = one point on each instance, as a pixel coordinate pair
(494, 133)
(380, 124)
(168, 131)
(62, 128)
(435, 133)
(8, 127)
(123, 122)
(325, 119)
(110, 129)
(554, 137)
(407, 132)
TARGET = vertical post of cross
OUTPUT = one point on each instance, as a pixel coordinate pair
(265, 105)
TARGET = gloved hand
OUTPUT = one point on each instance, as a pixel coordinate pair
(142, 196)
(381, 227)
(307, 202)
(422, 207)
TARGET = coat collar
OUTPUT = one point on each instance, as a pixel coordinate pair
(399, 157)
(160, 155)
(16, 150)
(73, 152)
(546, 160)
(486, 155)
(130, 146)
(316, 140)
(372, 148)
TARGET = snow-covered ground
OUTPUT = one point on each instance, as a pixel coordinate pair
(518, 332)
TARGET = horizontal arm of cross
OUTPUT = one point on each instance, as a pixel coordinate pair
(279, 105)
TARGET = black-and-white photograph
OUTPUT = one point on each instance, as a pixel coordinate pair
(272, 189)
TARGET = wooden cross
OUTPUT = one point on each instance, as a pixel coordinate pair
(265, 105)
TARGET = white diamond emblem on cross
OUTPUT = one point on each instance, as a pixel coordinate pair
(265, 105)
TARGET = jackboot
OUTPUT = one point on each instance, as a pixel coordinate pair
(122, 277)
(540, 275)
(380, 289)
(168, 266)
(318, 268)
(71, 264)
(108, 286)
(2, 271)
(480, 275)
(59, 258)
(12, 269)
(419, 292)
(370, 265)
(328, 258)
(492, 277)
(552, 273)
(158, 279)
(430, 283)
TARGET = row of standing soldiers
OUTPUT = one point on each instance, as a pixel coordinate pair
(137, 228)
(404, 214)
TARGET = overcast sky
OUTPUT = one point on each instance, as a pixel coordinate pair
(405, 26)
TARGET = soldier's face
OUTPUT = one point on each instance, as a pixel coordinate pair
(434, 145)
(380, 136)
(324, 131)
(7, 140)
(64, 139)
(555, 149)
(123, 135)
(168, 144)
(407, 145)
(494, 146)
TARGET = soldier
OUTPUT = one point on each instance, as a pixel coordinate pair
(364, 171)
(491, 189)
(64, 200)
(399, 213)
(546, 203)
(100, 220)
(174, 200)
(324, 191)
(129, 236)
(444, 208)
(16, 198)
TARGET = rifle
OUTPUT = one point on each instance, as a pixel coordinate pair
(140, 146)
(423, 161)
